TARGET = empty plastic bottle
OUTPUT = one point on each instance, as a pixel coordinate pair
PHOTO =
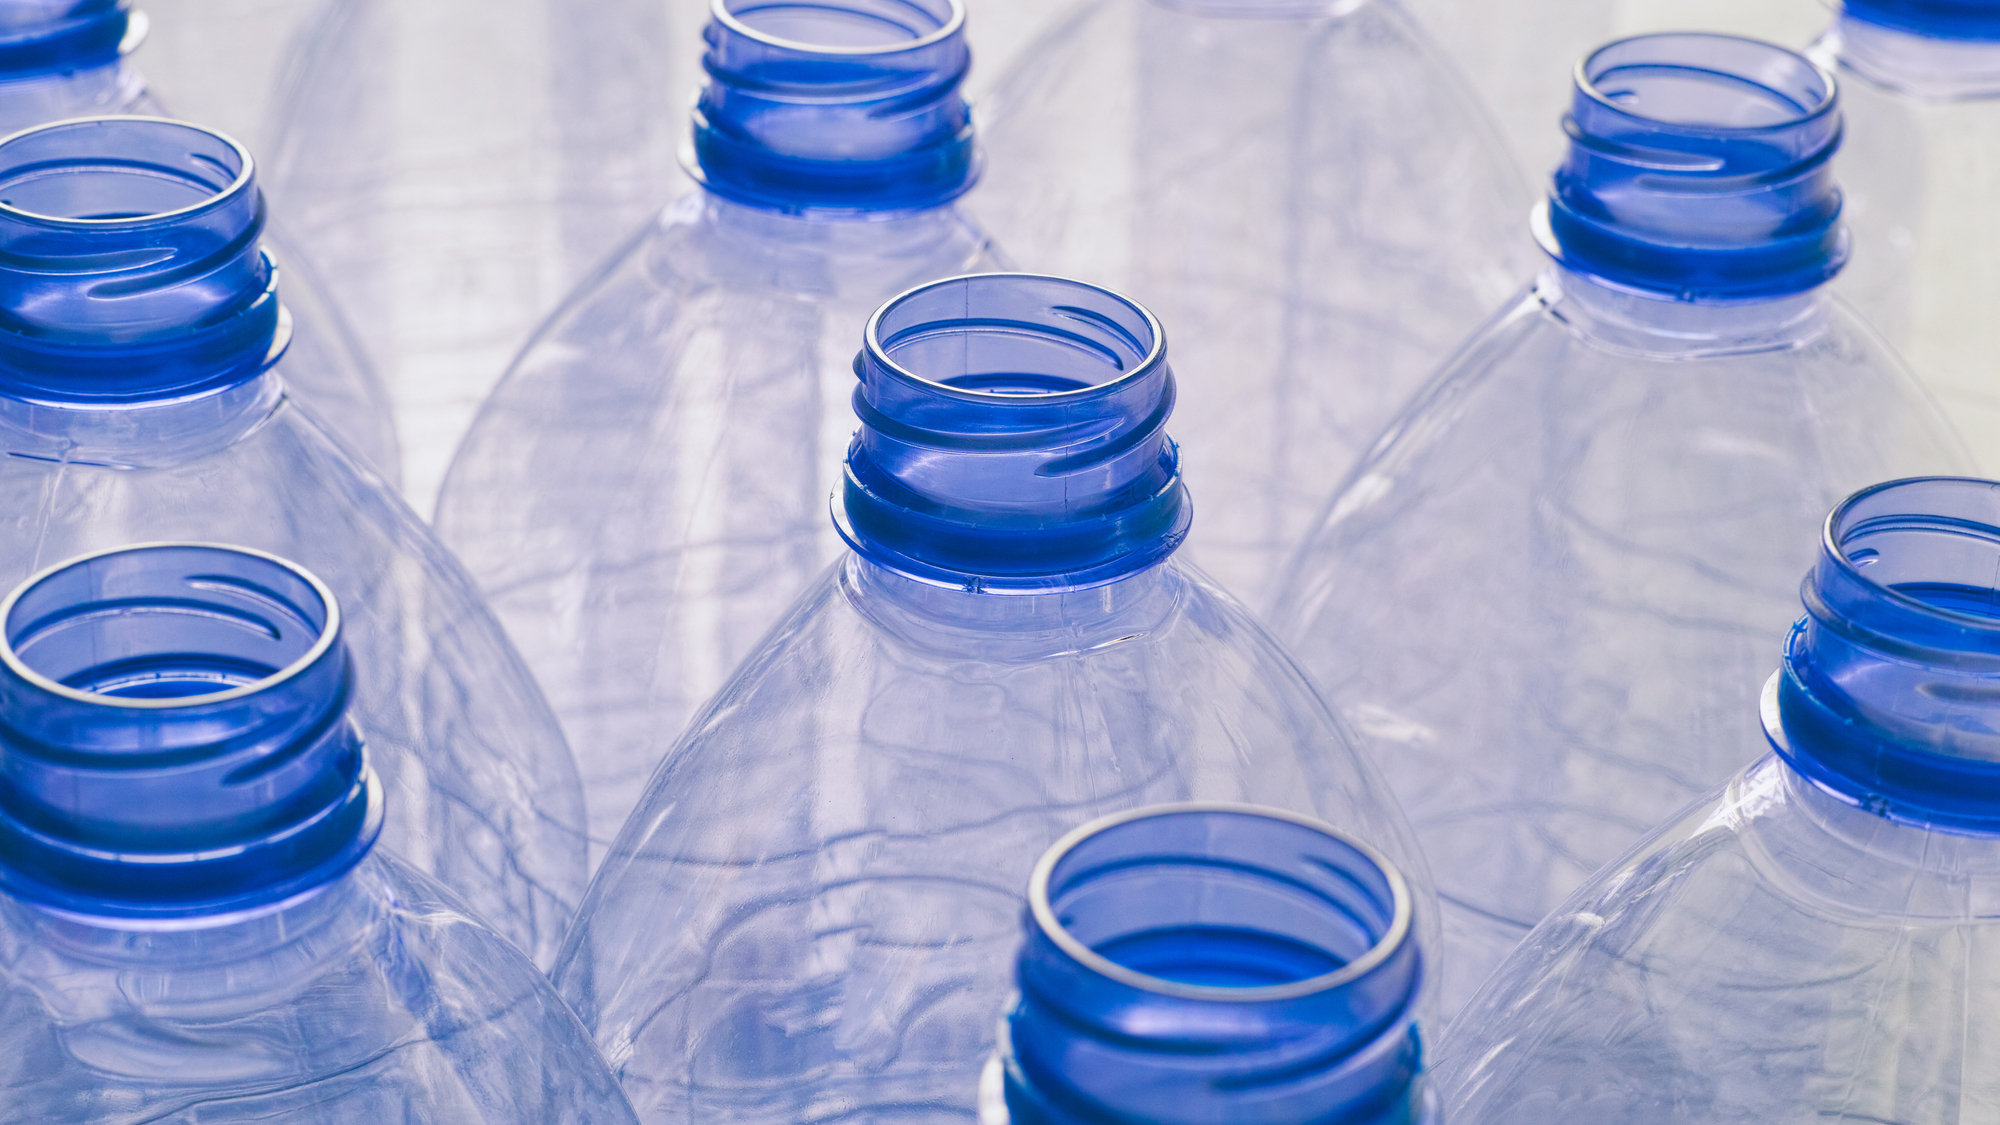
(143, 398)
(817, 900)
(1815, 940)
(72, 58)
(1920, 82)
(1544, 592)
(645, 493)
(1193, 964)
(456, 166)
(195, 925)
(1303, 189)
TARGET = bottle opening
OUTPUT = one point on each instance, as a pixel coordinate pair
(1707, 81)
(119, 170)
(1933, 543)
(864, 26)
(1015, 335)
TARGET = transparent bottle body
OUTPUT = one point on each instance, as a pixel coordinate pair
(377, 998)
(483, 793)
(1772, 955)
(647, 491)
(813, 912)
(454, 169)
(1547, 598)
(1310, 203)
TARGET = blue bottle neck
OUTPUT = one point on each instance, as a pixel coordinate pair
(40, 37)
(1013, 438)
(1203, 963)
(1936, 19)
(1886, 694)
(1699, 169)
(174, 740)
(835, 107)
(130, 264)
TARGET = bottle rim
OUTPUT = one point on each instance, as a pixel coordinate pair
(1587, 74)
(1853, 564)
(719, 11)
(244, 175)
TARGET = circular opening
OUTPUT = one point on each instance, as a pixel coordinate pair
(1221, 902)
(118, 170)
(1711, 82)
(1015, 336)
(1931, 544)
(167, 625)
(843, 27)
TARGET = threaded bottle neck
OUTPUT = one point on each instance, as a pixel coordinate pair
(1699, 169)
(174, 740)
(1013, 437)
(1199, 963)
(835, 107)
(52, 36)
(1937, 19)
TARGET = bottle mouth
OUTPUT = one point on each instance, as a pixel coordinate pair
(1934, 19)
(1221, 903)
(1912, 568)
(1705, 84)
(847, 28)
(48, 36)
(69, 175)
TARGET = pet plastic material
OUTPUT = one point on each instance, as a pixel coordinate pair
(192, 926)
(1920, 82)
(139, 402)
(645, 493)
(1304, 190)
(1546, 592)
(1201, 963)
(61, 59)
(816, 902)
(1812, 941)
(456, 166)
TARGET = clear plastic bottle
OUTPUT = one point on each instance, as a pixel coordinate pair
(1813, 941)
(1191, 964)
(72, 58)
(1545, 593)
(645, 493)
(1303, 188)
(456, 166)
(139, 402)
(194, 925)
(814, 906)
(1921, 82)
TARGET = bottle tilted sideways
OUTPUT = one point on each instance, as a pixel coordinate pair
(143, 398)
(73, 58)
(1545, 593)
(817, 900)
(1192, 964)
(1815, 940)
(1304, 190)
(1920, 81)
(195, 921)
(455, 167)
(645, 493)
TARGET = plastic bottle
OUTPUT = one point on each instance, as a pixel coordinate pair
(1543, 593)
(816, 901)
(72, 58)
(1922, 154)
(456, 166)
(645, 493)
(1813, 940)
(1190, 964)
(143, 398)
(1302, 187)
(194, 924)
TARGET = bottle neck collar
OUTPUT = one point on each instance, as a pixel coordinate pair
(1928, 67)
(1654, 326)
(44, 37)
(144, 435)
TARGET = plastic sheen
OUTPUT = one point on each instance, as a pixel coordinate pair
(1938, 19)
(1699, 168)
(1013, 437)
(130, 269)
(174, 739)
(49, 36)
(835, 106)
(1199, 963)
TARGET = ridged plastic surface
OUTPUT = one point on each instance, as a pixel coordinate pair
(1304, 192)
(1546, 595)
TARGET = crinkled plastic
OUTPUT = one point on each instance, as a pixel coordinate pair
(645, 493)
(1304, 191)
(1923, 148)
(815, 905)
(138, 403)
(192, 925)
(1546, 593)
(454, 167)
(1812, 941)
